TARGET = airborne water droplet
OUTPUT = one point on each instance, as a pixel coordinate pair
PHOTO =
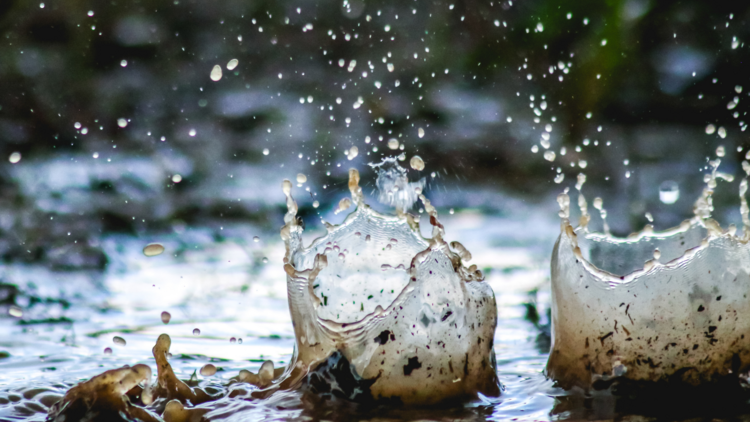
(107, 351)
(119, 341)
(232, 64)
(669, 192)
(417, 163)
(166, 317)
(216, 73)
(549, 155)
(301, 178)
(153, 249)
(208, 370)
(393, 143)
(196, 332)
(15, 157)
(420, 132)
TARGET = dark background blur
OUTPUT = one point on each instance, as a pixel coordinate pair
(627, 86)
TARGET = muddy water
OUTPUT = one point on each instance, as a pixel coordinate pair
(238, 303)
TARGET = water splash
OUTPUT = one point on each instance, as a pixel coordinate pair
(664, 306)
(411, 322)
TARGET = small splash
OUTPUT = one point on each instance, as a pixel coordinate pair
(393, 185)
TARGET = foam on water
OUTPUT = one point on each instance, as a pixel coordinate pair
(667, 306)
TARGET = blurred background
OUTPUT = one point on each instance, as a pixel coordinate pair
(129, 122)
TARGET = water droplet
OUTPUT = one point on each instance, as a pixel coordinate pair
(231, 65)
(107, 351)
(549, 155)
(232, 340)
(316, 204)
(266, 151)
(301, 178)
(559, 178)
(216, 73)
(390, 66)
(196, 331)
(393, 143)
(420, 132)
(123, 63)
(192, 132)
(264, 260)
(710, 129)
(153, 249)
(722, 132)
(122, 122)
(353, 152)
(119, 341)
(166, 317)
(14, 157)
(176, 178)
(417, 163)
(208, 370)
(256, 239)
(15, 311)
(649, 217)
(720, 151)
(669, 192)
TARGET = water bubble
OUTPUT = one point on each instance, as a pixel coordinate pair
(420, 132)
(232, 340)
(196, 331)
(669, 192)
(14, 157)
(208, 370)
(15, 311)
(232, 64)
(107, 351)
(166, 317)
(153, 249)
(122, 122)
(216, 73)
(549, 155)
(301, 178)
(266, 151)
(176, 178)
(710, 129)
(417, 163)
(393, 143)
(119, 341)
